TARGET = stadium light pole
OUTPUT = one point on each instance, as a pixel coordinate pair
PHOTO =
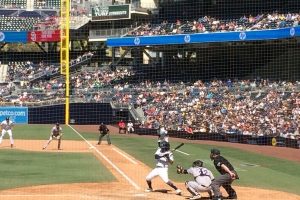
(64, 51)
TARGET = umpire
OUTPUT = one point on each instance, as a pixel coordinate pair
(228, 175)
(104, 131)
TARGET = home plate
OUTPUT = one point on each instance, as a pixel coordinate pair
(139, 195)
(92, 147)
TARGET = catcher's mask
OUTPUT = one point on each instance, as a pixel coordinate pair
(214, 152)
(198, 163)
(165, 146)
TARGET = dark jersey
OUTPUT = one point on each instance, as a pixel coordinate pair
(103, 129)
(218, 161)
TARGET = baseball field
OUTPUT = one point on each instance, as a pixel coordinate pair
(84, 170)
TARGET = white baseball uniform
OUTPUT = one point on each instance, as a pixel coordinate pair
(6, 128)
(161, 168)
(130, 127)
(56, 133)
(202, 179)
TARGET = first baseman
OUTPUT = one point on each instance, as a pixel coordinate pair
(56, 132)
(163, 157)
(228, 175)
(7, 126)
(202, 179)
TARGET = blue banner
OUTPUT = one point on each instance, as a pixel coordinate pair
(18, 115)
(13, 36)
(204, 37)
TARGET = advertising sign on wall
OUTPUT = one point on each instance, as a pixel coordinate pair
(205, 38)
(102, 13)
(13, 36)
(18, 115)
(44, 36)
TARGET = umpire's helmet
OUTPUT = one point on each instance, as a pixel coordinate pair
(165, 146)
(214, 152)
(198, 163)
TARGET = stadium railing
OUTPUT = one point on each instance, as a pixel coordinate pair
(108, 33)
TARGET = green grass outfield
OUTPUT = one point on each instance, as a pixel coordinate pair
(27, 168)
(255, 170)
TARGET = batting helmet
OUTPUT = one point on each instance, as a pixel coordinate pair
(7, 118)
(198, 163)
(165, 146)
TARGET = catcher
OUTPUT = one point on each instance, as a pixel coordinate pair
(104, 131)
(56, 132)
(202, 179)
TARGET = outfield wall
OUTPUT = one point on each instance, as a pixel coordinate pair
(226, 137)
(80, 113)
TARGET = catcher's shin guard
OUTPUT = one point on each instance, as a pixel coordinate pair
(190, 189)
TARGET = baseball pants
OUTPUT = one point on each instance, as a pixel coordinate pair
(194, 187)
(224, 181)
(9, 132)
(101, 137)
(51, 138)
(130, 129)
(162, 172)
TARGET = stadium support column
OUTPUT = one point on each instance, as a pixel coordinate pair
(64, 51)
(137, 54)
(115, 64)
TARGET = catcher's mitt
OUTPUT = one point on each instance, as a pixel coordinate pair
(179, 169)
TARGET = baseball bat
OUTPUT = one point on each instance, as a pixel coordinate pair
(177, 147)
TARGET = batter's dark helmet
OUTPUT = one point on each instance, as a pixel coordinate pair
(165, 145)
(7, 118)
(198, 163)
(214, 152)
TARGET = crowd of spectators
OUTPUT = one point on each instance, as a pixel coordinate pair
(208, 24)
(220, 107)
(256, 107)
(28, 70)
(24, 71)
(83, 85)
(26, 23)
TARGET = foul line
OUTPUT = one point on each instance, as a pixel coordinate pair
(182, 152)
(112, 164)
(125, 156)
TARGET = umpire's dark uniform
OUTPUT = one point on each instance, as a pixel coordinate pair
(104, 131)
(225, 179)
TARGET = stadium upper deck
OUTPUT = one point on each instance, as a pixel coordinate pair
(208, 24)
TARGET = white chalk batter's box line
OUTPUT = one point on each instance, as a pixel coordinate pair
(107, 160)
